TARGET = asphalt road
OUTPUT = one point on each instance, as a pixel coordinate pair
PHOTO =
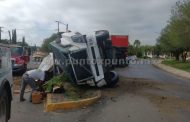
(144, 93)
(144, 69)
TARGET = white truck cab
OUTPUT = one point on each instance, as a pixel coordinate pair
(84, 58)
(5, 83)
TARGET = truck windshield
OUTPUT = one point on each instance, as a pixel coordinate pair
(16, 51)
(78, 38)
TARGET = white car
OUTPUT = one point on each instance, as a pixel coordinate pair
(132, 58)
(5, 83)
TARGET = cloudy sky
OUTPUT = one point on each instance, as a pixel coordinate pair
(35, 19)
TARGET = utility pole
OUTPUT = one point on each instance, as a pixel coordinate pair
(10, 37)
(57, 26)
(67, 28)
(0, 32)
(59, 22)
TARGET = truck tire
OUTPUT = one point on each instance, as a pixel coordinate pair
(102, 35)
(4, 106)
(112, 79)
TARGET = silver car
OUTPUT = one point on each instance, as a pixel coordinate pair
(5, 83)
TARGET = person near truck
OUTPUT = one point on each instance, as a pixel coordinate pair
(30, 78)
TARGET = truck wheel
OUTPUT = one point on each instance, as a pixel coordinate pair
(4, 106)
(112, 80)
(102, 35)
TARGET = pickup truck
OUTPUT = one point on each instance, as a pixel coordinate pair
(5, 83)
(19, 58)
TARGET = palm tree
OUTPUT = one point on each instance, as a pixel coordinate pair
(137, 43)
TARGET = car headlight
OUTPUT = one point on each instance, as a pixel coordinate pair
(18, 65)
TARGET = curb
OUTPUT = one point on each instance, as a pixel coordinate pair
(174, 71)
(67, 105)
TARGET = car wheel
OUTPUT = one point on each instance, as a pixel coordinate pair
(4, 106)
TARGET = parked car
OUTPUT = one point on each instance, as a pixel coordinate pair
(19, 58)
(5, 83)
(132, 58)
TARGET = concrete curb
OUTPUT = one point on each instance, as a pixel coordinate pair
(67, 105)
(177, 72)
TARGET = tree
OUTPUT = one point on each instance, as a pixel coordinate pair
(131, 50)
(4, 41)
(157, 50)
(137, 43)
(175, 37)
(23, 43)
(145, 49)
(46, 42)
(14, 37)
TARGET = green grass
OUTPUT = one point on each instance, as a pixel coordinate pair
(178, 64)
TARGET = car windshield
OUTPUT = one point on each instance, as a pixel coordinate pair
(78, 38)
(16, 51)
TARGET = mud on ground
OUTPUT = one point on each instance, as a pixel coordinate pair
(170, 99)
(17, 85)
(16, 82)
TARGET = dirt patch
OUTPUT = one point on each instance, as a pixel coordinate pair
(17, 85)
(128, 85)
(170, 105)
(16, 82)
(160, 94)
(73, 92)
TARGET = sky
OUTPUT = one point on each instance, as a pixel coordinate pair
(35, 19)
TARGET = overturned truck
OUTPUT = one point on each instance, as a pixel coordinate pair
(86, 59)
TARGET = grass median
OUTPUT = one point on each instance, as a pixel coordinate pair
(178, 64)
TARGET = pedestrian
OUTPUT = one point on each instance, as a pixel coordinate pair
(30, 77)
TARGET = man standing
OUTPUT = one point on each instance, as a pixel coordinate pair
(29, 78)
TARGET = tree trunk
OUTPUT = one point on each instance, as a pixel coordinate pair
(184, 56)
(177, 54)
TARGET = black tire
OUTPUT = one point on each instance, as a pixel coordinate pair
(4, 105)
(111, 79)
(102, 35)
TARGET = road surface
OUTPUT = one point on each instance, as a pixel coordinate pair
(144, 94)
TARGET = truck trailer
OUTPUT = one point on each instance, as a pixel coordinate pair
(120, 49)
